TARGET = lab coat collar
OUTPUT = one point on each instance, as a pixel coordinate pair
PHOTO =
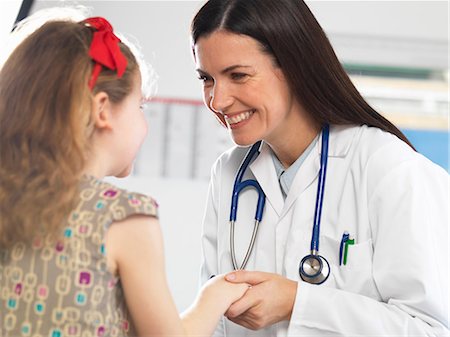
(339, 143)
(340, 140)
(264, 171)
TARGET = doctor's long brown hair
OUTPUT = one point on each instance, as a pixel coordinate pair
(289, 32)
(45, 126)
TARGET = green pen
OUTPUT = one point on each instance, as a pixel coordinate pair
(350, 241)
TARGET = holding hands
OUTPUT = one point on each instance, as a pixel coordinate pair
(216, 296)
(251, 299)
(222, 293)
(269, 300)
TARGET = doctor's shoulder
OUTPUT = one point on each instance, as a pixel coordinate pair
(381, 154)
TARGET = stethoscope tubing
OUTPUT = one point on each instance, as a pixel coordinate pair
(250, 247)
(322, 273)
(239, 185)
(314, 268)
(320, 189)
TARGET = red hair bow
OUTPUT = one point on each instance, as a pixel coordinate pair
(105, 50)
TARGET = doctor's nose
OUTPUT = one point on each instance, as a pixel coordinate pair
(220, 99)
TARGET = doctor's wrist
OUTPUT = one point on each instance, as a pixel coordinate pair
(290, 296)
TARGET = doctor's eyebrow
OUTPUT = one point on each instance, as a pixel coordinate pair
(224, 71)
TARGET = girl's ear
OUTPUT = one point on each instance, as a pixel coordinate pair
(101, 111)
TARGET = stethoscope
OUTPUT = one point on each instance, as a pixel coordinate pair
(313, 268)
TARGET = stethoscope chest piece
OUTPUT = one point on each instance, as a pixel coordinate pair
(314, 269)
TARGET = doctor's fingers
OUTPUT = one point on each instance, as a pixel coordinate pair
(251, 298)
(251, 319)
(251, 277)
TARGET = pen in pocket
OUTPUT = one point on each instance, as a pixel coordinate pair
(343, 249)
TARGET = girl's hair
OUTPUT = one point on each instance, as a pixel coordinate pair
(45, 126)
(290, 34)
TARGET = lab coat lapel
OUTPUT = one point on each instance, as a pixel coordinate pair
(305, 176)
(338, 146)
(264, 172)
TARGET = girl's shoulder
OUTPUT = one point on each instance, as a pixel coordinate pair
(117, 203)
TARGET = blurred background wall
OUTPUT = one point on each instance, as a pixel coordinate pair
(396, 53)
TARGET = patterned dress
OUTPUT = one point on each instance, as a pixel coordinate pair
(63, 288)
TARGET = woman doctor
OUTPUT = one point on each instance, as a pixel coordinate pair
(329, 163)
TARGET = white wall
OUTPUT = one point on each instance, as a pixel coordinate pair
(162, 29)
(416, 20)
(399, 33)
(181, 205)
(389, 33)
(8, 15)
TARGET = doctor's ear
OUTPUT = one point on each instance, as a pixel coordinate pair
(101, 111)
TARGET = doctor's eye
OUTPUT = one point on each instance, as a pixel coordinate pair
(238, 76)
(204, 78)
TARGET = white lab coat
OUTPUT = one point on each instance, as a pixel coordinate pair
(392, 200)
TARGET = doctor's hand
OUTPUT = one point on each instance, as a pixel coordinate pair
(270, 299)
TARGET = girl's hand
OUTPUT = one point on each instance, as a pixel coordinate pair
(214, 299)
(221, 292)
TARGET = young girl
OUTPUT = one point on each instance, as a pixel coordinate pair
(80, 257)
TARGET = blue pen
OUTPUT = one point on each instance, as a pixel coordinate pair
(344, 239)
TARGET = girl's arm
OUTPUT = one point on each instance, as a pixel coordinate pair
(214, 299)
(135, 252)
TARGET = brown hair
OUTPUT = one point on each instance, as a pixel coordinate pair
(289, 32)
(45, 127)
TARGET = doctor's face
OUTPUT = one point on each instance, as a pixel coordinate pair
(244, 88)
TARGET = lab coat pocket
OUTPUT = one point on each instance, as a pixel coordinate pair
(356, 274)
(359, 254)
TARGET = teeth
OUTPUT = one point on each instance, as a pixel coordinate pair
(239, 118)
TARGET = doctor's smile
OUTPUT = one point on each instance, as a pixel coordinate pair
(235, 120)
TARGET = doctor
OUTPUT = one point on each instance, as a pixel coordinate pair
(377, 263)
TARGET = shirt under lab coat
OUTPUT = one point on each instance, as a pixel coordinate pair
(392, 200)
